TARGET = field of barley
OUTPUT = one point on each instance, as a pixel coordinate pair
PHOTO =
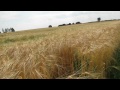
(81, 51)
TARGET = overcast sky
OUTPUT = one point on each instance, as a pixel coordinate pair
(23, 20)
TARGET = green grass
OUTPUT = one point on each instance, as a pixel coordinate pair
(77, 62)
(113, 71)
(21, 39)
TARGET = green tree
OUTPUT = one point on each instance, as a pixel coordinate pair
(99, 19)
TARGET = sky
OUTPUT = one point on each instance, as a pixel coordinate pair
(25, 20)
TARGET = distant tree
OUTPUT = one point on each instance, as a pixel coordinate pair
(8, 30)
(12, 30)
(50, 26)
(99, 19)
(0, 32)
(78, 23)
(72, 23)
(62, 25)
(69, 24)
(3, 30)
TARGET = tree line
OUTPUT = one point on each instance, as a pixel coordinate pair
(66, 24)
(6, 30)
(98, 19)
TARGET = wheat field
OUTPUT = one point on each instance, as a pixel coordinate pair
(81, 51)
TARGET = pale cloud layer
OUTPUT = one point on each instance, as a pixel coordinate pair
(22, 20)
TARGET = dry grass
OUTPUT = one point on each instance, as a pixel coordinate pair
(76, 50)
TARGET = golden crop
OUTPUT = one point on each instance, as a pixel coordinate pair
(75, 51)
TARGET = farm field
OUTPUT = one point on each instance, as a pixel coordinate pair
(80, 51)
